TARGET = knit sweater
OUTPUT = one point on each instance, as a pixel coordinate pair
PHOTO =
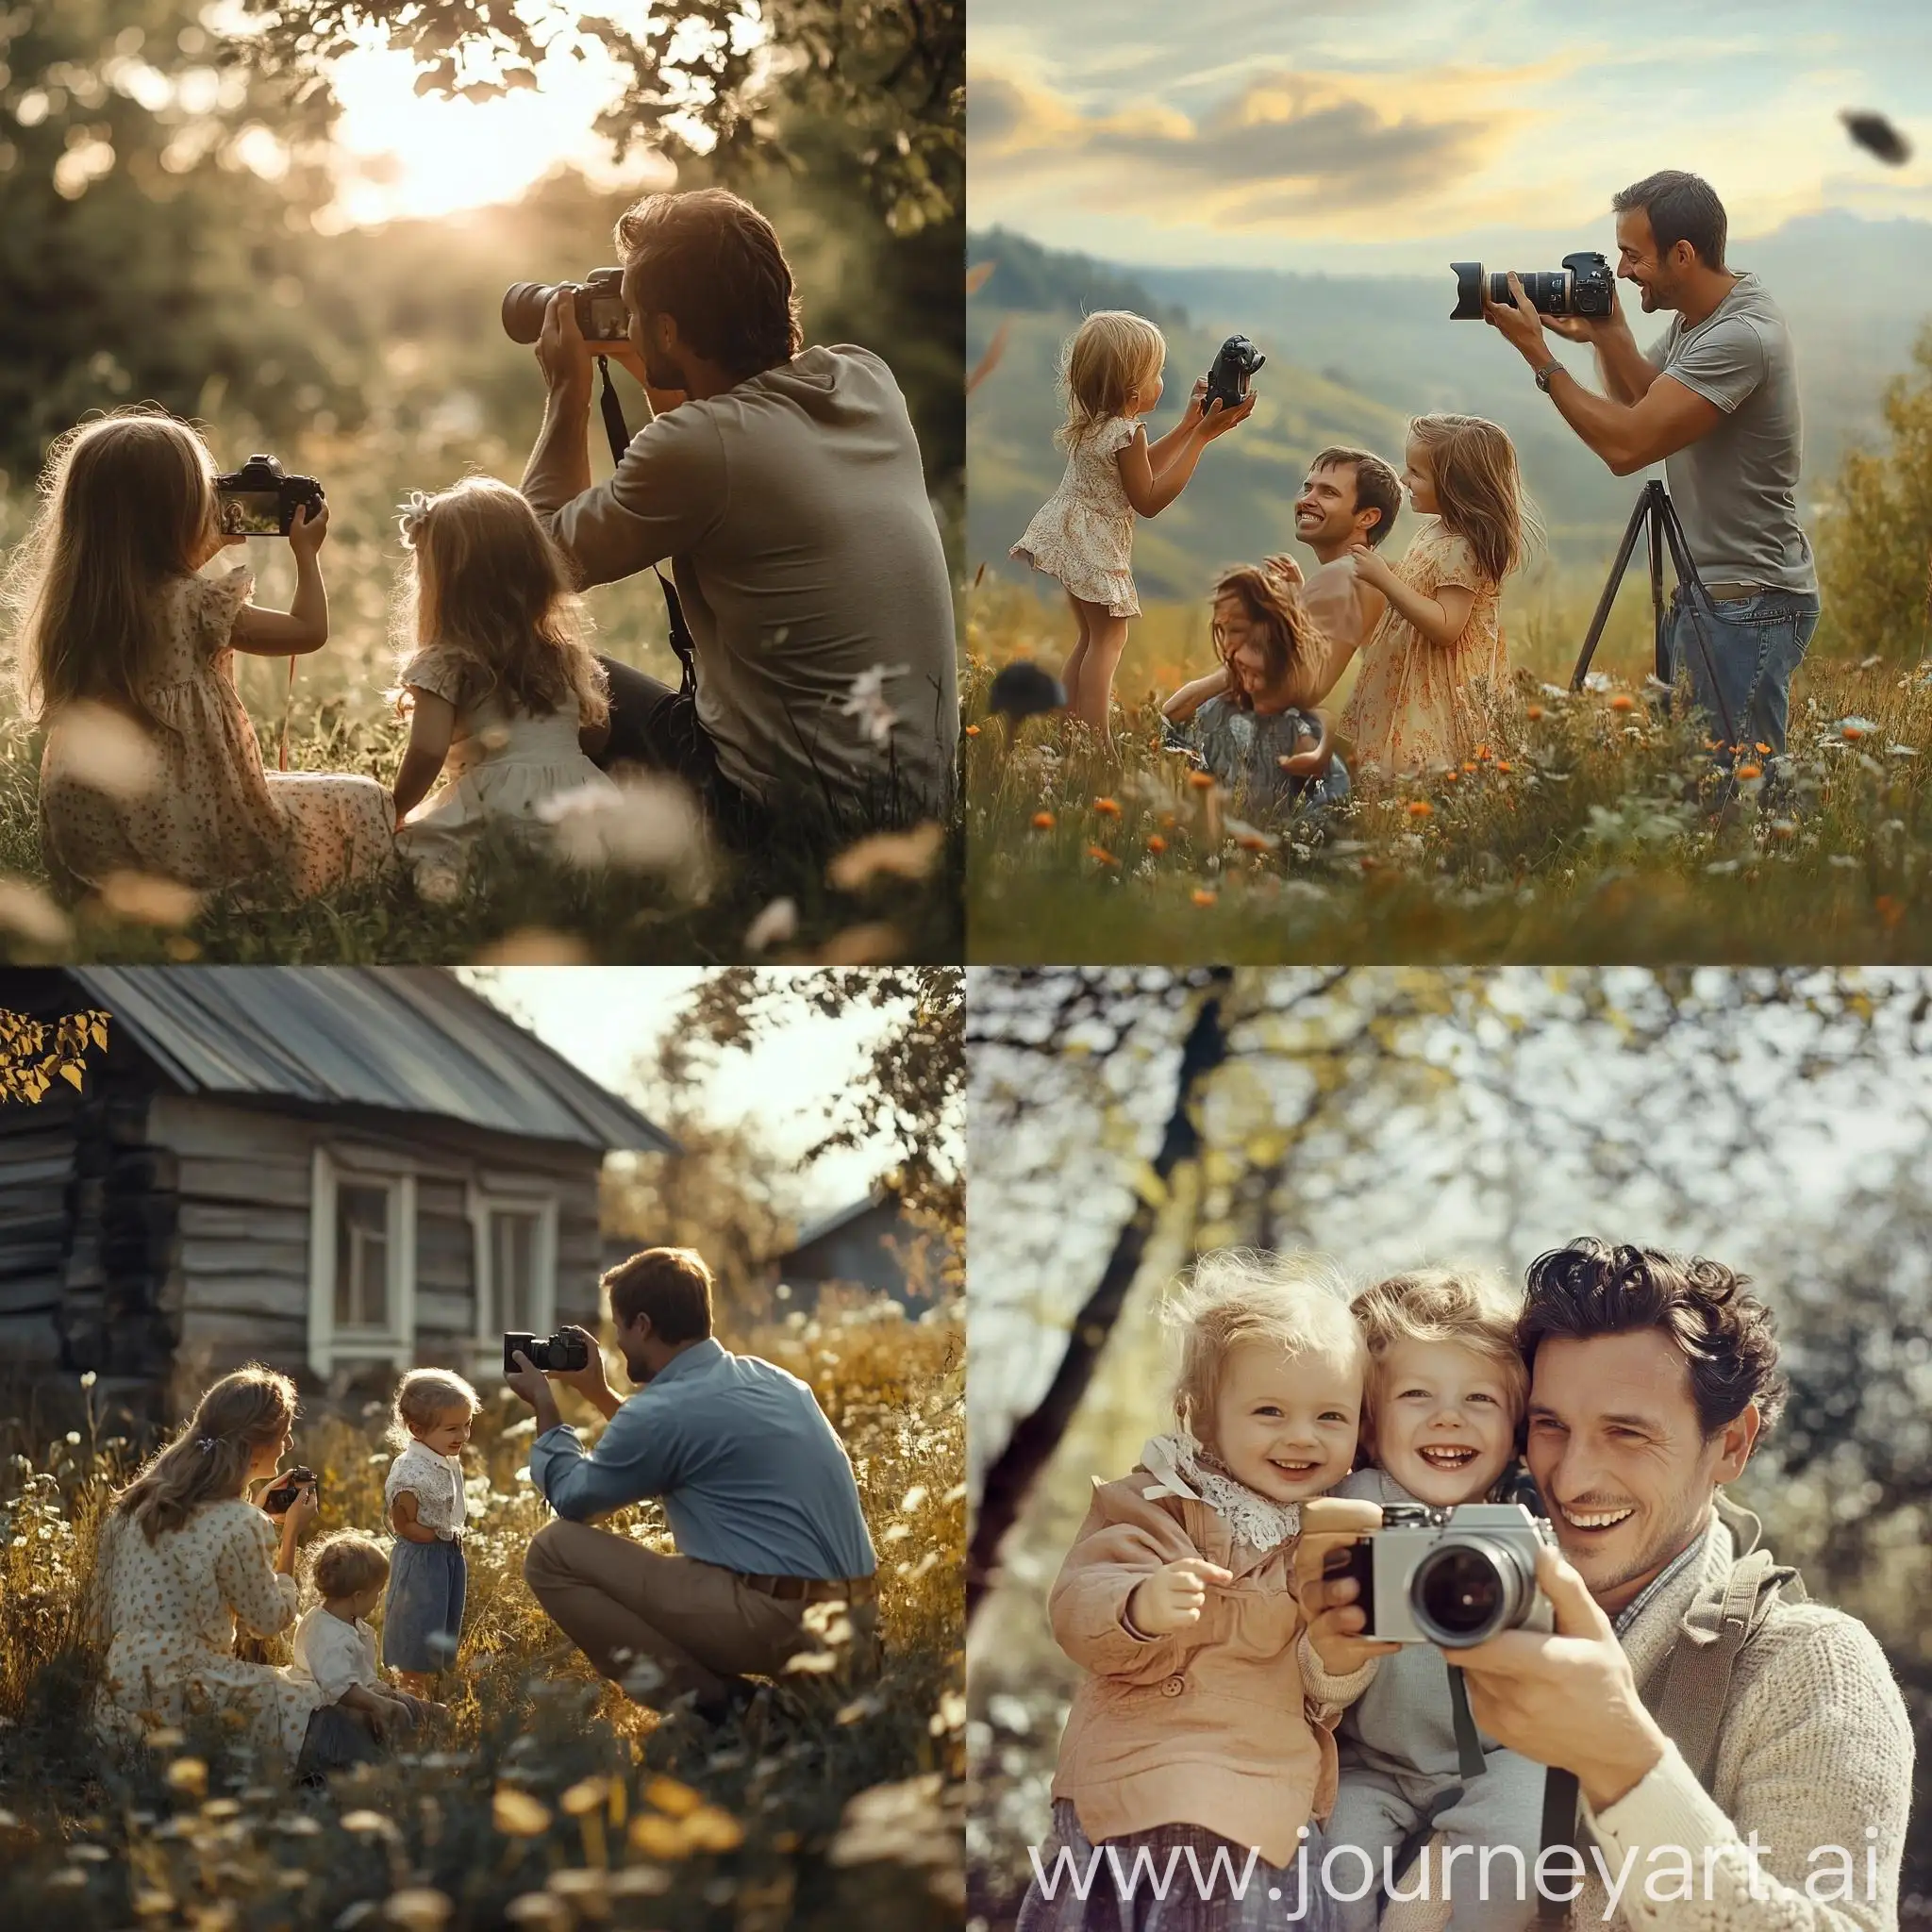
(1814, 1747)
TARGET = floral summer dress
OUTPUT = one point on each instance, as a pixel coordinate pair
(170, 1608)
(1416, 704)
(1083, 534)
(501, 767)
(193, 803)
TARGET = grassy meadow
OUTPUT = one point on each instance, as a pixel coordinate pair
(1592, 828)
(542, 1797)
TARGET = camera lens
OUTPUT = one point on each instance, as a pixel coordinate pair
(524, 304)
(1464, 1592)
(1469, 292)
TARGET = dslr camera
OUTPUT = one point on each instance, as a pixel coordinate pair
(1585, 284)
(1228, 380)
(260, 499)
(281, 1499)
(564, 1350)
(599, 301)
(1451, 1577)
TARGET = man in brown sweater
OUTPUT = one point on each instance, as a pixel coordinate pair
(785, 486)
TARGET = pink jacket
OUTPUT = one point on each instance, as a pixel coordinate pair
(1210, 1725)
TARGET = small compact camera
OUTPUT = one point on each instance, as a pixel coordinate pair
(601, 314)
(260, 499)
(1585, 284)
(1451, 1577)
(1228, 380)
(281, 1499)
(565, 1350)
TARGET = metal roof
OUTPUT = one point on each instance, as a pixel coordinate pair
(830, 1223)
(406, 1039)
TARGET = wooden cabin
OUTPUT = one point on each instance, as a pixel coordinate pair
(338, 1170)
(873, 1245)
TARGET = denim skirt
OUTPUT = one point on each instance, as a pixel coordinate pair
(1124, 1881)
(422, 1616)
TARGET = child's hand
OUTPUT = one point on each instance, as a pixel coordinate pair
(1175, 1595)
(1371, 567)
(1303, 764)
(306, 531)
(1284, 567)
(1220, 419)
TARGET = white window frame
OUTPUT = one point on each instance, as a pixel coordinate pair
(481, 1203)
(330, 1347)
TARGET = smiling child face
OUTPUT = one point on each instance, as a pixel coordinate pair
(1418, 478)
(447, 1434)
(1443, 1428)
(1286, 1426)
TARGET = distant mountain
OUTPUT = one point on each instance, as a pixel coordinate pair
(1360, 354)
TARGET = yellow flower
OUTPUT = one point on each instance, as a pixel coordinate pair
(516, 1815)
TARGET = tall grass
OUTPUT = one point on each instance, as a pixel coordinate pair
(543, 1797)
(1590, 829)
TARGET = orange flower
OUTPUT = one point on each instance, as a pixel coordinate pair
(1888, 909)
(1042, 821)
(1102, 855)
(1156, 843)
(1622, 702)
(1750, 771)
(1202, 896)
(1201, 781)
(1108, 807)
(1763, 750)
(1482, 751)
(1419, 809)
(1169, 819)
(1454, 778)
(1469, 767)
(1504, 765)
(1533, 713)
(973, 731)
(1853, 732)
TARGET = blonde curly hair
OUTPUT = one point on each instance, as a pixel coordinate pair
(1112, 354)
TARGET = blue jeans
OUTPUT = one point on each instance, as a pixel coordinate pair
(1755, 643)
(423, 1616)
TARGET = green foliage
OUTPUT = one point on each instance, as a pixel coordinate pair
(1875, 538)
(1027, 276)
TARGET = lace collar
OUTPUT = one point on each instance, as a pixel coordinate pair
(1186, 1469)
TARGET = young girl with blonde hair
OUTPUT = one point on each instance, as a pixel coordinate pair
(1436, 671)
(1252, 720)
(1192, 1733)
(1084, 533)
(125, 653)
(186, 1558)
(505, 699)
(423, 1618)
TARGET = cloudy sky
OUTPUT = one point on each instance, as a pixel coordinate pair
(1371, 136)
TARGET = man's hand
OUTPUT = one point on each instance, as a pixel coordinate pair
(1175, 1595)
(1569, 1699)
(1519, 323)
(1331, 1525)
(561, 351)
(530, 1383)
(590, 1380)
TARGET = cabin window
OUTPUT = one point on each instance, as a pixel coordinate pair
(513, 1265)
(361, 1262)
(516, 1266)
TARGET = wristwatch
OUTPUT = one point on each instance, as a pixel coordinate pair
(1543, 374)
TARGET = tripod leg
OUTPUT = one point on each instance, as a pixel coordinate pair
(1692, 585)
(1657, 597)
(1609, 596)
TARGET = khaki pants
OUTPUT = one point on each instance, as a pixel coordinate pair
(618, 1602)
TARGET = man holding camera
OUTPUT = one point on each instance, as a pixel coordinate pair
(756, 1486)
(1742, 1758)
(786, 488)
(1715, 400)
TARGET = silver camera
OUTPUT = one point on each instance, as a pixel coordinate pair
(1451, 1577)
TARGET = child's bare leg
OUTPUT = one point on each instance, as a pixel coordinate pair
(418, 1683)
(1106, 638)
(1074, 668)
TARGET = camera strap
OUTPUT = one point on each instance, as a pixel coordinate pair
(1470, 1761)
(619, 435)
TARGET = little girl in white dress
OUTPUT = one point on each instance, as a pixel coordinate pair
(505, 697)
(1083, 532)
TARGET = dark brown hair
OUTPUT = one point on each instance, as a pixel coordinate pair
(1376, 486)
(1681, 208)
(1295, 646)
(671, 1286)
(1728, 1337)
(713, 264)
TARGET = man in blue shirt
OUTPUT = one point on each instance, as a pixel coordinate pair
(755, 1484)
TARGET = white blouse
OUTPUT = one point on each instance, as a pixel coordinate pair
(334, 1655)
(437, 1484)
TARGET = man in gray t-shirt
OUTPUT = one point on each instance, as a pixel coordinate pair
(1716, 402)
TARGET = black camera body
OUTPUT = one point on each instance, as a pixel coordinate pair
(281, 1499)
(563, 1351)
(1228, 380)
(599, 300)
(1448, 1576)
(260, 499)
(1585, 284)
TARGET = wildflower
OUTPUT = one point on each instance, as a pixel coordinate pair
(669, 1796)
(1101, 856)
(188, 1775)
(1890, 911)
(1504, 766)
(147, 901)
(1421, 808)
(1202, 896)
(419, 1908)
(776, 924)
(866, 702)
(1201, 781)
(647, 823)
(1251, 838)
(1855, 729)
(1534, 713)
(973, 731)
(656, 1838)
(1763, 749)
(1748, 772)
(1622, 702)
(908, 855)
(1107, 807)
(1042, 821)
(30, 912)
(542, 1911)
(1157, 844)
(516, 1815)
(711, 1830)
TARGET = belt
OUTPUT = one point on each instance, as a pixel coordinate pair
(814, 1589)
(1734, 593)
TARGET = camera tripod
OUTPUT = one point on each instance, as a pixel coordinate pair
(1658, 515)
